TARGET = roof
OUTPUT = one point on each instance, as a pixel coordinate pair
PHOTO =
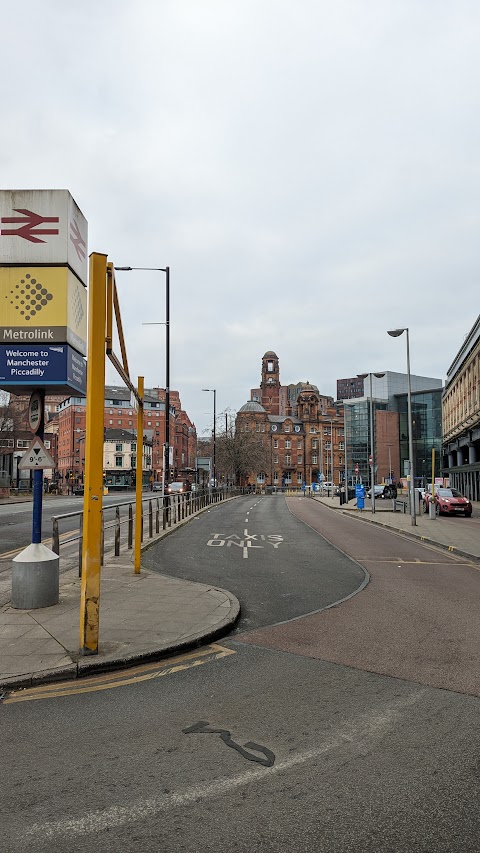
(270, 354)
(251, 406)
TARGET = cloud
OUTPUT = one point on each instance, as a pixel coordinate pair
(309, 171)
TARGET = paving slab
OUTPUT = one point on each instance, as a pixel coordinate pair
(142, 617)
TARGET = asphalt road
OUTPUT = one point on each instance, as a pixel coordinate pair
(16, 518)
(275, 746)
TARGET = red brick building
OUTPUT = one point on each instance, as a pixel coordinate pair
(301, 445)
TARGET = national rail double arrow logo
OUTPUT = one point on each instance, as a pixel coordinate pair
(28, 222)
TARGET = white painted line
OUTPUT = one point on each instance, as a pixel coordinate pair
(245, 552)
(353, 735)
(245, 532)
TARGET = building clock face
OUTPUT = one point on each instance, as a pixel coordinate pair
(274, 427)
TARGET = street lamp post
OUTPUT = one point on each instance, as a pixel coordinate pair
(390, 462)
(166, 270)
(372, 436)
(395, 333)
(213, 390)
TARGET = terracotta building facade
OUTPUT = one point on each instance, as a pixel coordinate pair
(301, 446)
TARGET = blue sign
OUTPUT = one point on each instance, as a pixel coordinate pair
(360, 495)
(27, 367)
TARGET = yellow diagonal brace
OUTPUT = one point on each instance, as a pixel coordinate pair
(92, 502)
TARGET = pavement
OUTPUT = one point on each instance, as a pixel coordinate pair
(143, 617)
(148, 616)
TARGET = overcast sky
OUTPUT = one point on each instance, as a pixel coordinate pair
(308, 169)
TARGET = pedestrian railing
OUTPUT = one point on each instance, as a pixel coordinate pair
(157, 513)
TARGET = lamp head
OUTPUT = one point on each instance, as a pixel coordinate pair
(124, 269)
(395, 333)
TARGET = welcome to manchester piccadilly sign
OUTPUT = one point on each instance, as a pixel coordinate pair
(43, 298)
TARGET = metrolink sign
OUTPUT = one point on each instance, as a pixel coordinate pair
(43, 295)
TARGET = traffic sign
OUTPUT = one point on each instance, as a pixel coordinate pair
(37, 456)
(35, 411)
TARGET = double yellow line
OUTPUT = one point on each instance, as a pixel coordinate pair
(144, 672)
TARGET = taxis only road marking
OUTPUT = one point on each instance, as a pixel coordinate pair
(144, 672)
(218, 540)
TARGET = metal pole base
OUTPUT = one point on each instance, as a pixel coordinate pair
(35, 578)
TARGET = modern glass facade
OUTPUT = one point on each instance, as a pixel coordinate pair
(427, 433)
(357, 435)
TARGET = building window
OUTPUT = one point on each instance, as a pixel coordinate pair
(299, 476)
(340, 460)
(119, 448)
(261, 477)
(313, 430)
(327, 431)
(299, 444)
(299, 460)
(275, 460)
(6, 442)
(328, 445)
(110, 422)
(314, 444)
(314, 460)
(133, 461)
(133, 447)
(288, 460)
(257, 427)
(341, 446)
(118, 461)
(275, 477)
(24, 444)
(270, 366)
(288, 444)
(275, 443)
(119, 423)
(286, 428)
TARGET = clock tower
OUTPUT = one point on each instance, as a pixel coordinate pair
(270, 384)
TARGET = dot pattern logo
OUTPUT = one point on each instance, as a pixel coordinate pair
(29, 297)
(78, 311)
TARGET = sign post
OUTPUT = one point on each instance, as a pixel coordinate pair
(43, 324)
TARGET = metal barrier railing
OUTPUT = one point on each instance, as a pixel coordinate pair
(163, 512)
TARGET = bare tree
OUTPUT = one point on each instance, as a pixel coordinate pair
(241, 452)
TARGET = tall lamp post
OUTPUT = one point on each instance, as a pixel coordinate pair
(213, 390)
(166, 270)
(372, 436)
(395, 333)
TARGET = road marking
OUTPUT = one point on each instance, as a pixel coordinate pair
(144, 672)
(355, 736)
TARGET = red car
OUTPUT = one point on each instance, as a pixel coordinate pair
(450, 502)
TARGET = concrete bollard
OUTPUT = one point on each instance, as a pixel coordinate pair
(35, 578)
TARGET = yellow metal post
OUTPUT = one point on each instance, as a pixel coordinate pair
(93, 494)
(138, 480)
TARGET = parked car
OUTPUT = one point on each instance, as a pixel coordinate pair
(326, 487)
(383, 491)
(157, 486)
(449, 501)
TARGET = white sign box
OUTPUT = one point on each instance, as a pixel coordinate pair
(43, 227)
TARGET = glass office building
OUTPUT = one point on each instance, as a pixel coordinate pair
(357, 435)
(426, 432)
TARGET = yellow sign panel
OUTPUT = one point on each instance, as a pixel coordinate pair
(46, 304)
